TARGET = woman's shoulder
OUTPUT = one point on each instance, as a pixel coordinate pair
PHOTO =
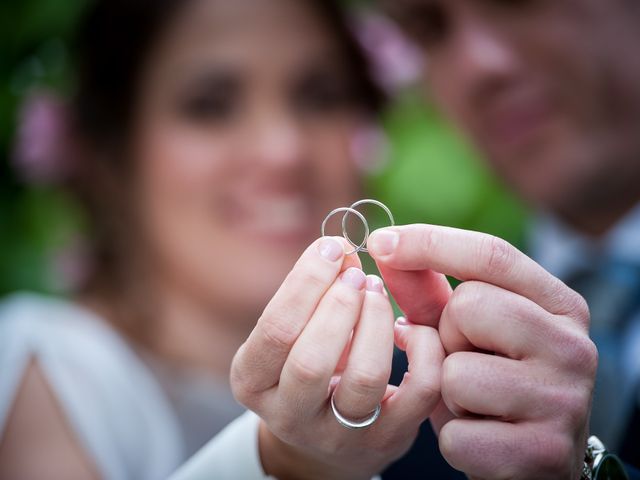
(108, 396)
(56, 331)
(47, 321)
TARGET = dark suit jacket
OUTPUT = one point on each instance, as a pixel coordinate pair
(423, 461)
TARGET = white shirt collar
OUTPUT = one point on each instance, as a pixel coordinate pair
(562, 251)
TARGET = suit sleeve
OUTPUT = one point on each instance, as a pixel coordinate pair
(632, 472)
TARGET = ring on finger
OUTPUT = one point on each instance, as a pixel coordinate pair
(353, 424)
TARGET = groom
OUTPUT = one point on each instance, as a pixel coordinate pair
(550, 92)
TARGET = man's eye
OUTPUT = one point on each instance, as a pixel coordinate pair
(513, 3)
(428, 24)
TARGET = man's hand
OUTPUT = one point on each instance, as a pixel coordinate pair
(519, 375)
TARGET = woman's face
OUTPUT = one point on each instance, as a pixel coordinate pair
(242, 145)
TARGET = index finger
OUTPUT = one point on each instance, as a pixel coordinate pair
(259, 361)
(468, 255)
(420, 294)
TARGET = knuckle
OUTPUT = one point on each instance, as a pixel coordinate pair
(553, 453)
(579, 308)
(571, 404)
(278, 335)
(427, 239)
(307, 369)
(367, 382)
(341, 302)
(588, 352)
(308, 277)
(244, 394)
(569, 302)
(428, 386)
(497, 255)
(464, 299)
(241, 386)
(578, 351)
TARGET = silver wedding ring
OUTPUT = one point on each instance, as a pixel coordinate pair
(352, 424)
(352, 209)
(356, 204)
(348, 210)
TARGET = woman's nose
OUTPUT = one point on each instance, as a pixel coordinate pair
(278, 142)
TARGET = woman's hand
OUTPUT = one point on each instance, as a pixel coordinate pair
(331, 328)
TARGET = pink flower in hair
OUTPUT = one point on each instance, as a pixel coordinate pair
(70, 265)
(370, 148)
(41, 153)
(396, 62)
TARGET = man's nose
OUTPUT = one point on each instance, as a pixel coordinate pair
(484, 51)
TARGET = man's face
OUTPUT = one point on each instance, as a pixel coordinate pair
(548, 89)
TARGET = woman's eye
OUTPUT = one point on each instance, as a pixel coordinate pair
(213, 97)
(208, 107)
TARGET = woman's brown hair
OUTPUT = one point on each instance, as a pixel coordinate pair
(113, 41)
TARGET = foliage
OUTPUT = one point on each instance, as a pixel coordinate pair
(432, 175)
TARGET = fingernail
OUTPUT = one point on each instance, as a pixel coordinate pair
(402, 322)
(374, 284)
(330, 249)
(354, 277)
(383, 242)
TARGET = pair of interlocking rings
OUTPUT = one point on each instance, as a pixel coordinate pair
(352, 210)
(344, 421)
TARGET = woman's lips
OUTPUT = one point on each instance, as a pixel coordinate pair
(272, 218)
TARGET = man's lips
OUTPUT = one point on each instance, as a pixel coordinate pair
(514, 124)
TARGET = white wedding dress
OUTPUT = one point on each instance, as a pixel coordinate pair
(136, 418)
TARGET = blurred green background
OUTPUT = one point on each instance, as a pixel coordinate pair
(432, 175)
